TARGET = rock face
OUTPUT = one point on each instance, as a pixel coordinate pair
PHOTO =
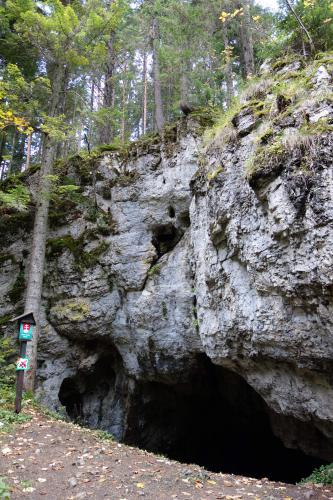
(204, 282)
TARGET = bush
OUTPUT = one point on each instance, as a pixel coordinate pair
(322, 475)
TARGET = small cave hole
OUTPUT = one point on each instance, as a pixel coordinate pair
(71, 398)
(172, 212)
(165, 238)
(217, 421)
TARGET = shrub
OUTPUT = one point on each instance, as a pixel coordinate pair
(322, 475)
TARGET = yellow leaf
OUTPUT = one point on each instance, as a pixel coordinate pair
(140, 485)
(211, 482)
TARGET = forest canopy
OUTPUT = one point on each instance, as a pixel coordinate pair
(107, 71)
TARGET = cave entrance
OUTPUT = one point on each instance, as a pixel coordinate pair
(92, 394)
(165, 237)
(217, 421)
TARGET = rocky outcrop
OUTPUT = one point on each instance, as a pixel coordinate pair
(199, 261)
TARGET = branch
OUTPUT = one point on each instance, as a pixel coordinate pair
(300, 22)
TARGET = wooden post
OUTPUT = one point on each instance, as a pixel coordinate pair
(26, 323)
(20, 378)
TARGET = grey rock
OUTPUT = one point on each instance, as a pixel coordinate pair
(72, 482)
(217, 269)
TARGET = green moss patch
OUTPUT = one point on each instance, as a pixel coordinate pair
(154, 270)
(72, 310)
(82, 259)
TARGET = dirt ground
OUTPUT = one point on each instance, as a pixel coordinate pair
(50, 459)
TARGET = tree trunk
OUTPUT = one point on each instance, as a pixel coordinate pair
(12, 159)
(184, 88)
(37, 257)
(301, 25)
(228, 65)
(27, 163)
(106, 132)
(92, 95)
(145, 93)
(123, 111)
(158, 114)
(2, 145)
(246, 39)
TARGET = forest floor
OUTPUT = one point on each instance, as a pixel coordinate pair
(48, 458)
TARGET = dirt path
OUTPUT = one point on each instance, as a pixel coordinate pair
(50, 459)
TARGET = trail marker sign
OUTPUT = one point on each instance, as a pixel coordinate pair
(26, 331)
(22, 364)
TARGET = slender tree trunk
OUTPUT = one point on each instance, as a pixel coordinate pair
(145, 93)
(37, 257)
(158, 114)
(27, 163)
(2, 145)
(184, 88)
(107, 129)
(92, 95)
(12, 159)
(123, 112)
(301, 25)
(246, 39)
(228, 65)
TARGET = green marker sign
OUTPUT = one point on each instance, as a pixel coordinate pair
(26, 331)
(22, 364)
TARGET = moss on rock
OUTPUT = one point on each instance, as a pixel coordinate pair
(82, 258)
(72, 310)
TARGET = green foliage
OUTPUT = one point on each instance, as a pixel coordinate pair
(317, 17)
(9, 418)
(154, 270)
(103, 435)
(8, 354)
(74, 310)
(266, 158)
(4, 490)
(322, 475)
(212, 175)
(82, 259)
(223, 122)
(17, 197)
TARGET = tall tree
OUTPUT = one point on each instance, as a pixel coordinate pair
(108, 97)
(63, 36)
(158, 109)
(246, 39)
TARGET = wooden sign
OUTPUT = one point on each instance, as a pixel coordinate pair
(26, 331)
(22, 364)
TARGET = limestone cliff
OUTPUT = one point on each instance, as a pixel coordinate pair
(203, 275)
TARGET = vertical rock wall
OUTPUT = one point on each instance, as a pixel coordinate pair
(225, 254)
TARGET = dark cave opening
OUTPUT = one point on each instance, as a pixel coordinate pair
(217, 421)
(88, 395)
(165, 238)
